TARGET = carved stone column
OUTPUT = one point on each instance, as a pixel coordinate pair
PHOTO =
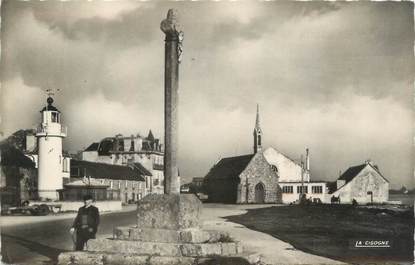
(173, 50)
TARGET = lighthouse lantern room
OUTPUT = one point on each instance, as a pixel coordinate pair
(50, 134)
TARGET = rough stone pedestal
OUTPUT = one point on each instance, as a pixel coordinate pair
(169, 211)
(168, 231)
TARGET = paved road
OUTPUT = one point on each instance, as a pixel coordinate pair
(38, 241)
(41, 242)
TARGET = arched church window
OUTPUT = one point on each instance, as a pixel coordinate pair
(259, 139)
(274, 168)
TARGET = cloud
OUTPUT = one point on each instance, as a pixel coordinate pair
(327, 75)
(20, 106)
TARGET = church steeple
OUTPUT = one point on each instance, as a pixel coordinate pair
(257, 133)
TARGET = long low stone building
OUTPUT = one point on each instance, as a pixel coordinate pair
(129, 183)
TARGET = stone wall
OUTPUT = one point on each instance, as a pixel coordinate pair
(367, 180)
(258, 172)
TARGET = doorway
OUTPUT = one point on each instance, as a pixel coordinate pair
(259, 193)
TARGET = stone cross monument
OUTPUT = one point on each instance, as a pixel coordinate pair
(168, 228)
(173, 51)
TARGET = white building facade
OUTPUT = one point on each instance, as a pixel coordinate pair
(122, 150)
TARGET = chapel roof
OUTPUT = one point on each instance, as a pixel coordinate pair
(229, 167)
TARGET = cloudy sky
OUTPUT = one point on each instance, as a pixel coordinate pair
(334, 77)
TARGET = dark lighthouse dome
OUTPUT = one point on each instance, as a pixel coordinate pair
(50, 107)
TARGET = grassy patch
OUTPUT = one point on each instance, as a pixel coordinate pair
(331, 230)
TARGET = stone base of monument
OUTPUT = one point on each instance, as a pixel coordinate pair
(168, 231)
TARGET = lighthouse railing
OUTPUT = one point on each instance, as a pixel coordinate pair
(45, 130)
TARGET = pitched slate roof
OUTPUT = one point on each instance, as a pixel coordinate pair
(229, 167)
(106, 171)
(106, 146)
(352, 172)
(92, 147)
(142, 169)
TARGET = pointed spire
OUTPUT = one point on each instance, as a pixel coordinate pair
(257, 116)
(150, 136)
(257, 133)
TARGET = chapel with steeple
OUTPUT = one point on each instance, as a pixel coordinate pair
(266, 176)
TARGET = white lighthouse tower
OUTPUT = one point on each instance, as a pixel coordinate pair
(50, 134)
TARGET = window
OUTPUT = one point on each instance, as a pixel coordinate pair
(132, 145)
(274, 168)
(317, 189)
(55, 117)
(65, 165)
(75, 172)
(287, 189)
(299, 189)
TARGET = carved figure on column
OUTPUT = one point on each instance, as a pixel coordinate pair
(173, 30)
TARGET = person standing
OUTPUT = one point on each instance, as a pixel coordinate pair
(86, 223)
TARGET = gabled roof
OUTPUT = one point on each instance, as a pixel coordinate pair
(351, 172)
(106, 171)
(92, 147)
(142, 169)
(270, 154)
(229, 167)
